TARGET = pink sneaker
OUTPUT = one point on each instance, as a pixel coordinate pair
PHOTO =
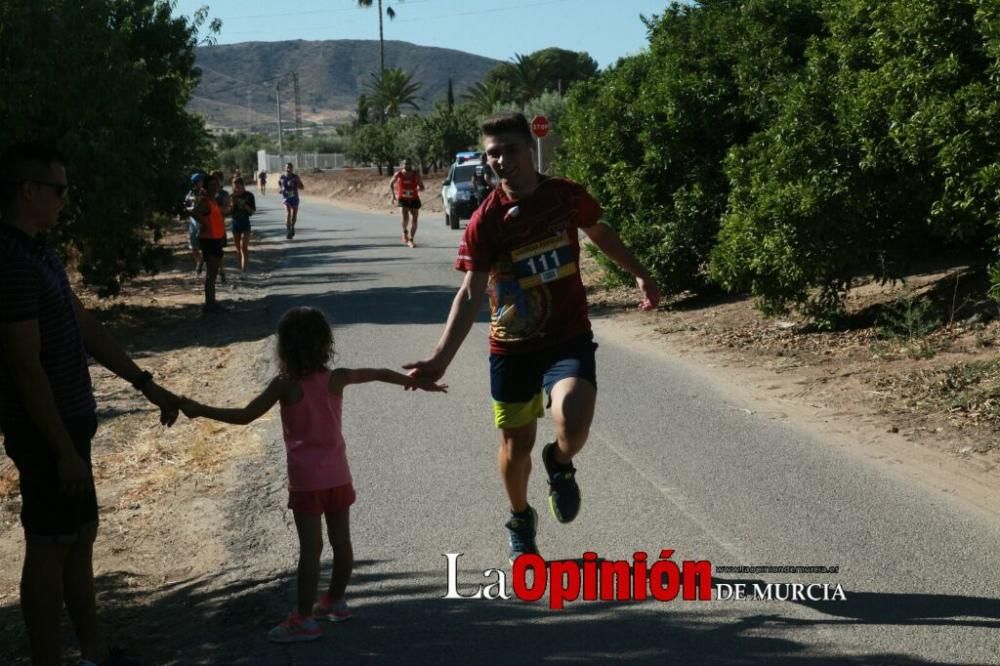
(295, 629)
(331, 611)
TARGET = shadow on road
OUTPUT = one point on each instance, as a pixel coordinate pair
(257, 301)
(404, 619)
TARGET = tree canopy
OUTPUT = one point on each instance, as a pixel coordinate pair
(786, 147)
(107, 83)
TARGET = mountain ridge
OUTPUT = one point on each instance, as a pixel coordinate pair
(332, 74)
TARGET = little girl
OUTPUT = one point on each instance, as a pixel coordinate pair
(319, 480)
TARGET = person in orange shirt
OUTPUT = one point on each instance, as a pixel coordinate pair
(211, 238)
(406, 185)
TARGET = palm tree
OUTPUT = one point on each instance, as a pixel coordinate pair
(529, 79)
(392, 89)
(390, 12)
(484, 96)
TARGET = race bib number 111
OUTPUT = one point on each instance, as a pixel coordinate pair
(545, 261)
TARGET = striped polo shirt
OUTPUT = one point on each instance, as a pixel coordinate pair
(33, 285)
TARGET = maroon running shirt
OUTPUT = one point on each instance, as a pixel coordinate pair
(531, 250)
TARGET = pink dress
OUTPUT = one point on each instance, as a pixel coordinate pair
(314, 443)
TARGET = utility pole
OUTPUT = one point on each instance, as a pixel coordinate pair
(298, 120)
(249, 120)
(281, 150)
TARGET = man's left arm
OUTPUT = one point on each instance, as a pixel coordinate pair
(607, 239)
(106, 351)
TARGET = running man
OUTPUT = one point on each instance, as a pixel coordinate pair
(406, 185)
(262, 183)
(522, 243)
(289, 186)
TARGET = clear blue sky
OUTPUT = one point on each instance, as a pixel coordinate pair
(606, 30)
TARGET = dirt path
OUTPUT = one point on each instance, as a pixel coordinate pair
(180, 554)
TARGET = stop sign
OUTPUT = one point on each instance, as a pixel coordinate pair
(539, 126)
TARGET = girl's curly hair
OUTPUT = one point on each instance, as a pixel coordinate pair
(305, 343)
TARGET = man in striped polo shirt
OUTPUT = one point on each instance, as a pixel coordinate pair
(47, 407)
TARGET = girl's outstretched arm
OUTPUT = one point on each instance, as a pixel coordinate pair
(341, 377)
(238, 416)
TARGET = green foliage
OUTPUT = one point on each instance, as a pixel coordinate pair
(372, 144)
(486, 96)
(528, 76)
(392, 89)
(651, 135)
(239, 151)
(550, 104)
(883, 150)
(907, 322)
(107, 82)
(430, 140)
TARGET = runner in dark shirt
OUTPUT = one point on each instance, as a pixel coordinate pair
(243, 206)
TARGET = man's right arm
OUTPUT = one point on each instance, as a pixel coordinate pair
(20, 343)
(463, 312)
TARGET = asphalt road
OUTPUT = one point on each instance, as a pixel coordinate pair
(675, 461)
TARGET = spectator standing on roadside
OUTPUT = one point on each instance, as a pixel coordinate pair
(226, 206)
(211, 238)
(196, 192)
(243, 207)
(289, 186)
(406, 186)
(482, 181)
(47, 406)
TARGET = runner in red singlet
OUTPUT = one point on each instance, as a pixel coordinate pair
(406, 185)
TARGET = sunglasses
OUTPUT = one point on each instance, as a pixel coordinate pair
(60, 189)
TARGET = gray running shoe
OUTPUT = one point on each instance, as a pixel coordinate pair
(522, 527)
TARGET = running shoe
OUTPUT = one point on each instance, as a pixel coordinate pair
(522, 528)
(295, 629)
(406, 239)
(411, 243)
(331, 611)
(564, 494)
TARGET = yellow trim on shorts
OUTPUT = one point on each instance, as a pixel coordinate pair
(517, 414)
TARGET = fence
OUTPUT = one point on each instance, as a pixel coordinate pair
(301, 161)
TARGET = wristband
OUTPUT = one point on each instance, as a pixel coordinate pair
(144, 378)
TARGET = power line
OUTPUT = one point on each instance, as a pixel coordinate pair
(417, 19)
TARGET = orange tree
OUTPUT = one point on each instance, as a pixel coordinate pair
(106, 82)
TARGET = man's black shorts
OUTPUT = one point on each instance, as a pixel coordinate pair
(518, 380)
(212, 247)
(47, 514)
(412, 204)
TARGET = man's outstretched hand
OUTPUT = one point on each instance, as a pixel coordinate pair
(650, 293)
(429, 370)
